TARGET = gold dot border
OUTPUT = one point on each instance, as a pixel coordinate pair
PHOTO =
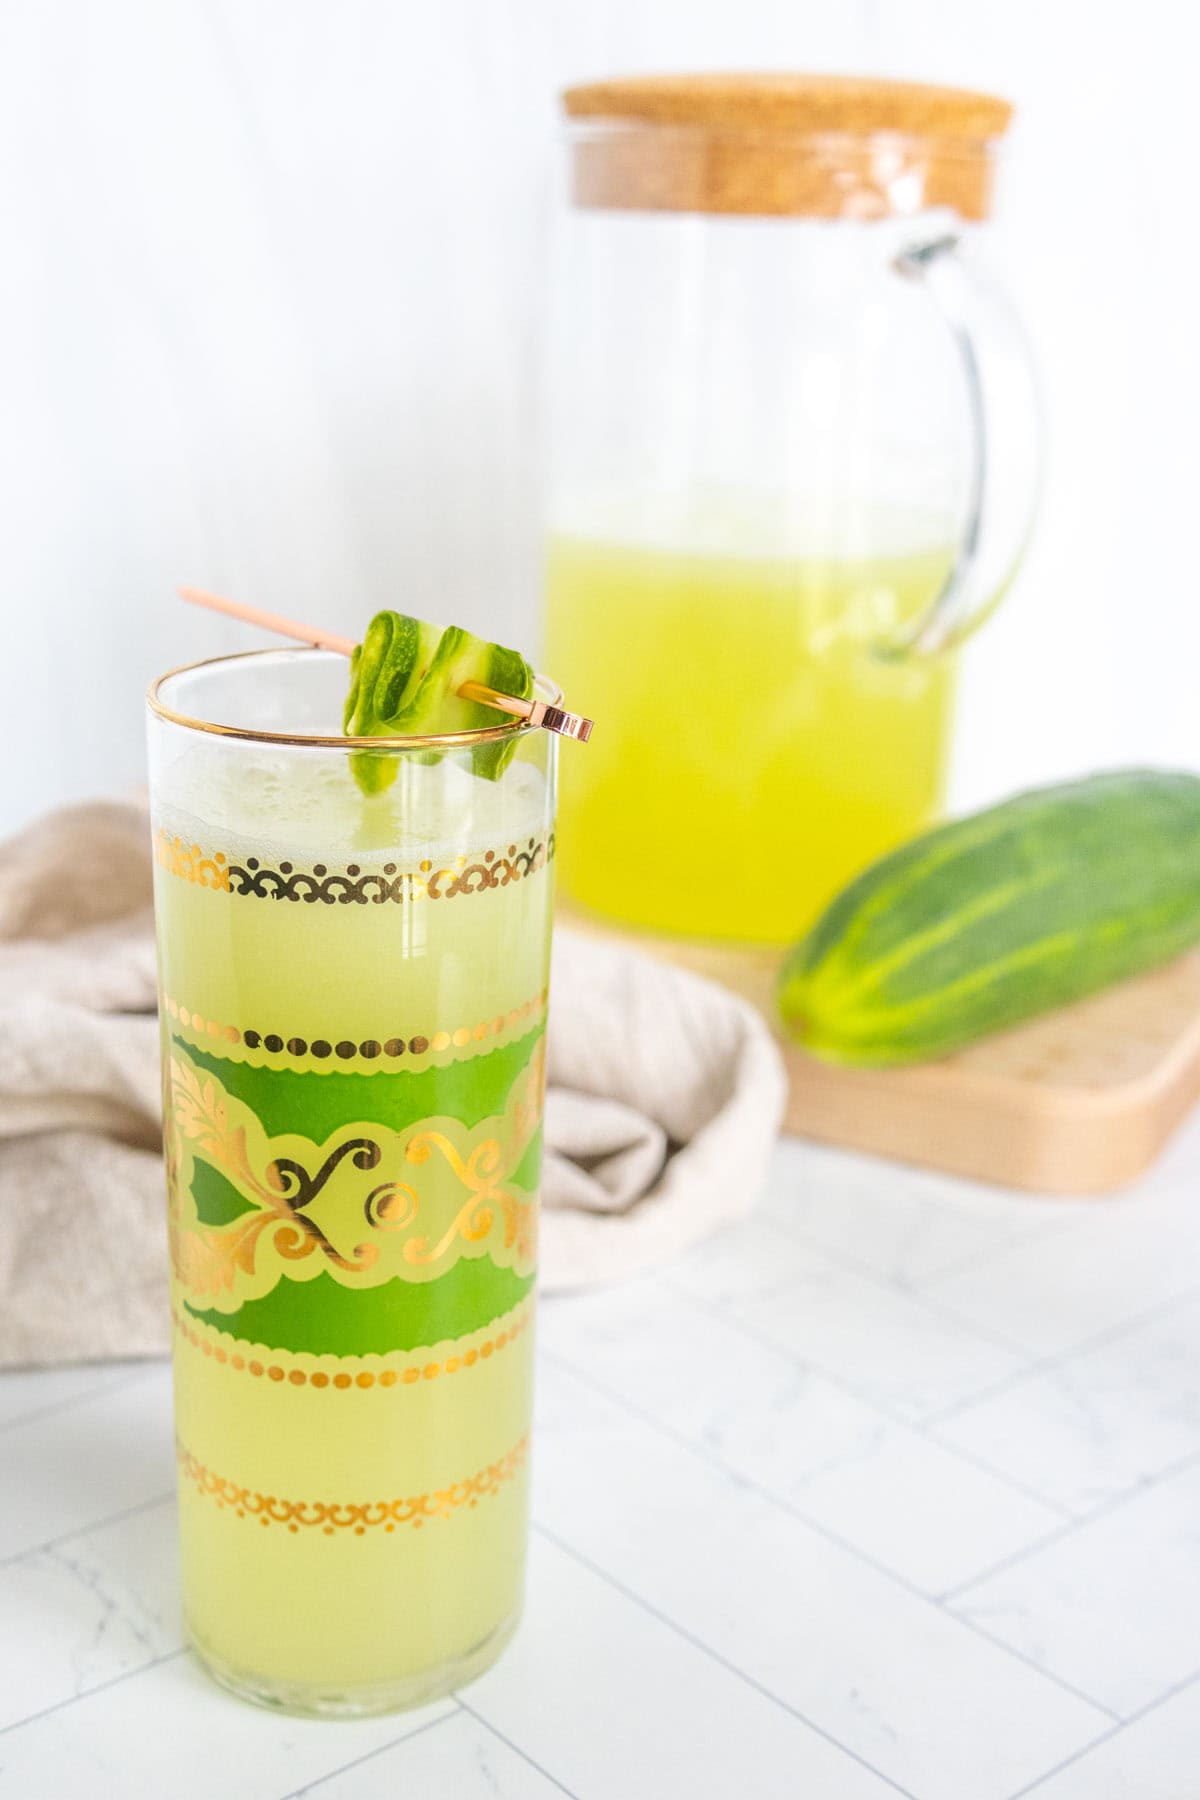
(274, 1044)
(320, 1379)
(353, 1516)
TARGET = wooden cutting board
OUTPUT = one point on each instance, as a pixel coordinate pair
(1077, 1102)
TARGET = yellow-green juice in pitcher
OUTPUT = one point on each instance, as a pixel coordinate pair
(757, 749)
(353, 994)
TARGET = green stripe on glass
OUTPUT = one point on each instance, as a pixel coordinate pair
(324, 1318)
(314, 1104)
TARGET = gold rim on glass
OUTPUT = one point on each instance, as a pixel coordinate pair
(450, 740)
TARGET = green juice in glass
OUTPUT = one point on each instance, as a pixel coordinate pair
(353, 1004)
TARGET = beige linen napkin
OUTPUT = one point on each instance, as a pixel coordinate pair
(665, 1094)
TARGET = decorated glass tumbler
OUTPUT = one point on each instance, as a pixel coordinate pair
(353, 995)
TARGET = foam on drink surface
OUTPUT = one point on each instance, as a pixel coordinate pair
(289, 805)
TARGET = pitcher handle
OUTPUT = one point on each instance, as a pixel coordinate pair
(1005, 429)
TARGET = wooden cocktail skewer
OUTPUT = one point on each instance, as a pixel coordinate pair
(537, 712)
(254, 615)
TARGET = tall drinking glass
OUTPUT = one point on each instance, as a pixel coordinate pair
(353, 996)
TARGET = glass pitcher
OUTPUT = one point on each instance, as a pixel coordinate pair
(792, 465)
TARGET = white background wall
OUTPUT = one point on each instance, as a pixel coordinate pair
(271, 277)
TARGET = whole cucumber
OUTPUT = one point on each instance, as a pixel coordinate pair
(999, 916)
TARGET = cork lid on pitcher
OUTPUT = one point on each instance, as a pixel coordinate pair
(815, 146)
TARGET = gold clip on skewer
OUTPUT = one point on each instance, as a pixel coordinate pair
(538, 712)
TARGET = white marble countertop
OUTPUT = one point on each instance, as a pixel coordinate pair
(894, 1489)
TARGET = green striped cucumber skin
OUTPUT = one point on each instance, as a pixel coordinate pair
(999, 916)
(404, 680)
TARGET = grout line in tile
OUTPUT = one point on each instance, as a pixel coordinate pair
(79, 1531)
(1050, 1228)
(101, 1389)
(1180, 1466)
(1054, 1359)
(1050, 1675)
(405, 1737)
(714, 1310)
(904, 1421)
(985, 1468)
(927, 1425)
(832, 1537)
(1039, 1235)
(791, 1506)
(947, 1598)
(515, 1748)
(1113, 1504)
(918, 1296)
(948, 1316)
(715, 1656)
(101, 1687)
(1106, 1737)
